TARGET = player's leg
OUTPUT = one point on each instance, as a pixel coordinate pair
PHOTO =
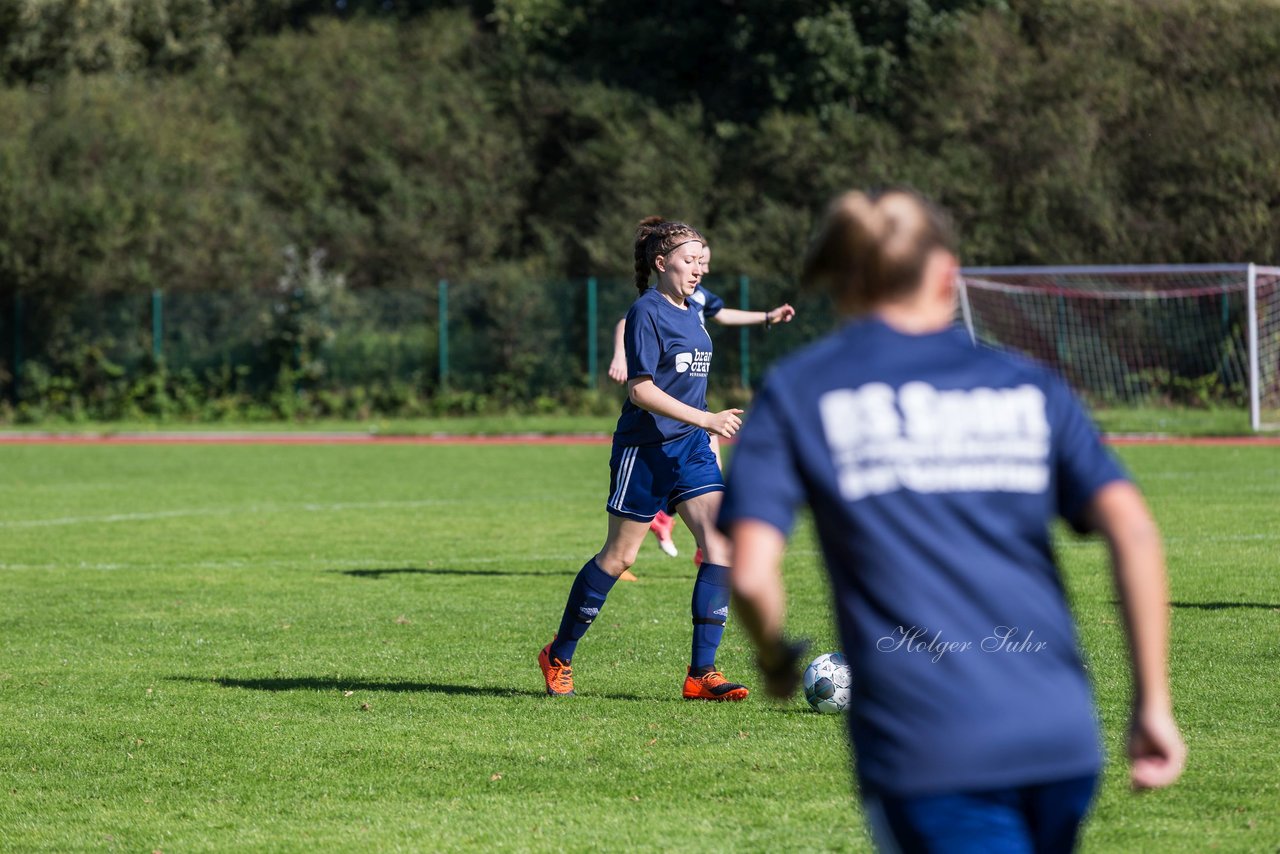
(594, 581)
(661, 526)
(697, 499)
(631, 506)
(709, 604)
(586, 597)
(715, 449)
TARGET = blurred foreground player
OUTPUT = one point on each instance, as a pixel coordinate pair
(934, 468)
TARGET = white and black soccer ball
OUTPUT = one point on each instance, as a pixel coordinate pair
(827, 683)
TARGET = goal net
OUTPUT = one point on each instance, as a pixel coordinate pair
(1158, 337)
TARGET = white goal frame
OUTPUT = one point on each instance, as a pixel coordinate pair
(982, 277)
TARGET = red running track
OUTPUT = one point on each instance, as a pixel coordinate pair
(266, 438)
(289, 439)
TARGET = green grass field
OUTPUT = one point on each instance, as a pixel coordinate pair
(1169, 421)
(288, 648)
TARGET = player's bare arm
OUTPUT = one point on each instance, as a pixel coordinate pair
(645, 394)
(1156, 750)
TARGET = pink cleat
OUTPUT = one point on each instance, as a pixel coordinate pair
(662, 525)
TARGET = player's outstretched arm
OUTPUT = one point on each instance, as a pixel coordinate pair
(646, 395)
(737, 317)
(618, 365)
(1119, 513)
(759, 602)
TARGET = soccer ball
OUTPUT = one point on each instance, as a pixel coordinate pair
(827, 682)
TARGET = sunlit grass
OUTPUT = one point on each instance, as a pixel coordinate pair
(212, 648)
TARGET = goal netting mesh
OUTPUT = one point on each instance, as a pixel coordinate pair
(1194, 336)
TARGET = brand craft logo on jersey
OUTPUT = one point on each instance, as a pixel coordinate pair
(925, 440)
(698, 362)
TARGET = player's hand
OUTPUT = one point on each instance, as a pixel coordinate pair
(781, 314)
(618, 370)
(725, 423)
(1156, 750)
(780, 667)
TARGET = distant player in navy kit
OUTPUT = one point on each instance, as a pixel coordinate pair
(661, 459)
(934, 468)
(708, 305)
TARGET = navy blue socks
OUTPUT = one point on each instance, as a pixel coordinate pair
(710, 608)
(586, 598)
(710, 612)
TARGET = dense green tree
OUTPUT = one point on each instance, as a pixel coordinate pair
(184, 144)
(112, 185)
(777, 179)
(740, 58)
(605, 160)
(385, 146)
(42, 40)
(1083, 132)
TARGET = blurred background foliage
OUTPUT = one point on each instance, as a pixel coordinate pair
(223, 146)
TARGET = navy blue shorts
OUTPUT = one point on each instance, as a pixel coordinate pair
(647, 478)
(1035, 819)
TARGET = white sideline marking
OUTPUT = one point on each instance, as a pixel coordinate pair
(116, 517)
(1199, 475)
(1090, 542)
(219, 511)
(370, 564)
(374, 564)
(1223, 538)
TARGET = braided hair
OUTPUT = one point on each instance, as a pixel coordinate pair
(656, 236)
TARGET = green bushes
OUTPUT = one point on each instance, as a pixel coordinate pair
(183, 146)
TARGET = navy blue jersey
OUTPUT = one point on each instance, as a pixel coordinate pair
(705, 303)
(933, 469)
(670, 345)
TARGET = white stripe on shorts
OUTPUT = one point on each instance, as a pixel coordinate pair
(625, 464)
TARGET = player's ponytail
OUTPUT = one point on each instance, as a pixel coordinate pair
(643, 232)
(870, 249)
(656, 236)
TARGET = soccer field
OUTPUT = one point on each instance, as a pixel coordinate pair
(285, 648)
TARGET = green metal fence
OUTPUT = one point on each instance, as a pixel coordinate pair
(508, 342)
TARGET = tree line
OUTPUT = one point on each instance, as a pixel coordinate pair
(185, 144)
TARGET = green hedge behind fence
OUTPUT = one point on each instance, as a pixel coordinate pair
(313, 347)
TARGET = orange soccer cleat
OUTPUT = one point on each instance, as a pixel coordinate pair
(713, 686)
(559, 674)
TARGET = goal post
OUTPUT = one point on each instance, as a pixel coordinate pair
(1143, 338)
